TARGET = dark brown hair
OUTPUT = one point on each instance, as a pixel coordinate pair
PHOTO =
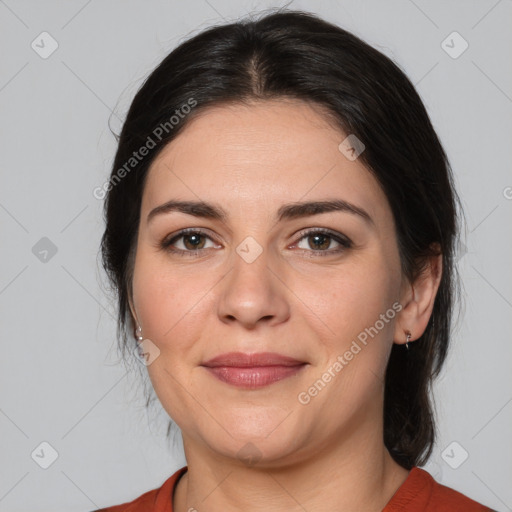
(293, 54)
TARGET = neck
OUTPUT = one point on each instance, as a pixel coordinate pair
(357, 473)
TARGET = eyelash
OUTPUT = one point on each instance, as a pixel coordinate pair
(345, 243)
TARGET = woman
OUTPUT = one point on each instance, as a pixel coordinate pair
(280, 229)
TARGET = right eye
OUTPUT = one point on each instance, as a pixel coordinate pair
(191, 242)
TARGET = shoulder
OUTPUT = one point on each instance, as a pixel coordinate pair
(420, 492)
(156, 500)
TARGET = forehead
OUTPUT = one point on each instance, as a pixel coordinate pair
(259, 155)
(249, 132)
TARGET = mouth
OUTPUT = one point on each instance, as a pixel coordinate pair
(252, 371)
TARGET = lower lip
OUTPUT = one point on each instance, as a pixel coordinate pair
(254, 377)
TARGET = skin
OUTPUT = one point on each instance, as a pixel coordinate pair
(328, 454)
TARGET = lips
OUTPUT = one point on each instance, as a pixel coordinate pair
(251, 371)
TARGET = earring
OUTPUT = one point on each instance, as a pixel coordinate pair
(138, 334)
(407, 341)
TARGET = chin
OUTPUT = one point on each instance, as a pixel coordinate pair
(258, 437)
(259, 452)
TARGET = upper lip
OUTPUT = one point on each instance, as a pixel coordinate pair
(242, 360)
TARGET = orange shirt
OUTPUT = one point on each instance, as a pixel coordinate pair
(419, 493)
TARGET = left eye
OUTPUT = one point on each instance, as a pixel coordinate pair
(320, 241)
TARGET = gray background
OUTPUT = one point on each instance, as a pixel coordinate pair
(60, 377)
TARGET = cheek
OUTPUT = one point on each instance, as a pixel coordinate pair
(167, 303)
(360, 314)
(162, 298)
(350, 298)
(357, 307)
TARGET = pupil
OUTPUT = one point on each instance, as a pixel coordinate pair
(324, 237)
(194, 244)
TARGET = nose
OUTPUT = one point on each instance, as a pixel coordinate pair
(253, 292)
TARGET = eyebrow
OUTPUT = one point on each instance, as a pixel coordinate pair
(286, 212)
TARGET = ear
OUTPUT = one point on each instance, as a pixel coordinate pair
(129, 286)
(132, 310)
(417, 299)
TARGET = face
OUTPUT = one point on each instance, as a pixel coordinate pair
(308, 301)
